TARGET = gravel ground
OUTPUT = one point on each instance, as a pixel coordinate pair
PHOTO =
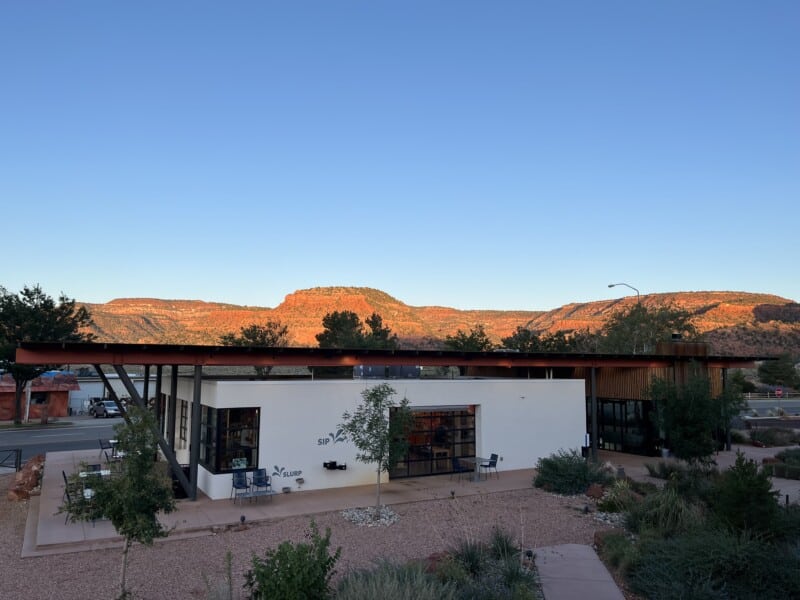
(189, 568)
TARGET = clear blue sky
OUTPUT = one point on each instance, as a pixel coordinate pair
(503, 155)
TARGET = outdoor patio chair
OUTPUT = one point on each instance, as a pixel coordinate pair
(458, 468)
(105, 445)
(492, 464)
(69, 488)
(94, 467)
(239, 485)
(261, 481)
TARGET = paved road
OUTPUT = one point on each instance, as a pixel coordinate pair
(81, 435)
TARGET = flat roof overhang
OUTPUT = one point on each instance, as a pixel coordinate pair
(40, 353)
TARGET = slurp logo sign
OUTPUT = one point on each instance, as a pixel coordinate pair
(332, 438)
(284, 472)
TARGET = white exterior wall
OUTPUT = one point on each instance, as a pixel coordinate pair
(519, 419)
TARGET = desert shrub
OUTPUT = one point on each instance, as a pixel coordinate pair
(567, 472)
(619, 497)
(692, 480)
(619, 551)
(663, 469)
(471, 555)
(451, 570)
(294, 571)
(643, 488)
(743, 497)
(695, 482)
(773, 436)
(395, 582)
(665, 512)
(715, 564)
(501, 544)
(491, 571)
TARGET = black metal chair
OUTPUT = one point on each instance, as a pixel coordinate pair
(239, 485)
(69, 488)
(105, 445)
(492, 464)
(261, 481)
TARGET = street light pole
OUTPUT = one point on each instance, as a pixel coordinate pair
(627, 285)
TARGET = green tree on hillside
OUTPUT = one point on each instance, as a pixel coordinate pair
(525, 340)
(33, 316)
(738, 379)
(272, 334)
(637, 329)
(475, 341)
(779, 372)
(344, 329)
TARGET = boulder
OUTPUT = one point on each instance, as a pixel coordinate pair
(595, 491)
(27, 481)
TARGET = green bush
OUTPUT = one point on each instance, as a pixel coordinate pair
(619, 551)
(471, 555)
(388, 581)
(294, 571)
(663, 469)
(489, 572)
(619, 497)
(666, 512)
(501, 545)
(743, 498)
(567, 472)
(715, 564)
(773, 436)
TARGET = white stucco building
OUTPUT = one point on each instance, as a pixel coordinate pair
(291, 428)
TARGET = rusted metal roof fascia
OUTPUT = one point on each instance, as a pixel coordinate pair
(150, 354)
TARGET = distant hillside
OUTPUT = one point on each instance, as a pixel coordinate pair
(734, 322)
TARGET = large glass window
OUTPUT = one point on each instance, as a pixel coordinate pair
(624, 426)
(437, 440)
(229, 439)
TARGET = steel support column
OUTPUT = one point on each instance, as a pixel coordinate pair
(194, 445)
(168, 452)
(173, 395)
(146, 386)
(157, 407)
(594, 413)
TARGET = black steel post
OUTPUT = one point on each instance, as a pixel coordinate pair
(194, 445)
(594, 414)
(173, 395)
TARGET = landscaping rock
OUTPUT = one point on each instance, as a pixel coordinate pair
(595, 491)
(26, 482)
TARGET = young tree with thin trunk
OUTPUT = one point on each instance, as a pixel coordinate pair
(133, 497)
(379, 429)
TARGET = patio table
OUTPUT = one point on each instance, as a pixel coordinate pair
(476, 461)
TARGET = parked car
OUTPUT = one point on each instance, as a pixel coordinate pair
(107, 408)
(93, 402)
